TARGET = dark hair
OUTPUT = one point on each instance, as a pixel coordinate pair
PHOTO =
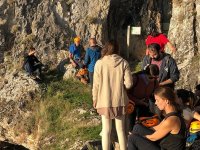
(152, 70)
(165, 92)
(154, 47)
(31, 48)
(152, 29)
(111, 47)
(186, 97)
(168, 93)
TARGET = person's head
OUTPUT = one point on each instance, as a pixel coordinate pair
(111, 47)
(31, 51)
(77, 41)
(92, 42)
(152, 70)
(187, 97)
(152, 29)
(154, 51)
(165, 97)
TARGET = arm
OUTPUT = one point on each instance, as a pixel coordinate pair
(173, 71)
(71, 51)
(95, 88)
(146, 61)
(128, 80)
(168, 81)
(171, 47)
(86, 61)
(167, 125)
(196, 116)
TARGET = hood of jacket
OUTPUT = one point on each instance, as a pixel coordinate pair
(113, 60)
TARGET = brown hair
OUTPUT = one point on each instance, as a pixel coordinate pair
(152, 70)
(111, 47)
(32, 49)
(186, 97)
(154, 47)
(166, 93)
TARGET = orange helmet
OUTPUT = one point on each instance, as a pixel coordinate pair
(77, 39)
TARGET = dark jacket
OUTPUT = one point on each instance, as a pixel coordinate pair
(32, 60)
(168, 68)
(92, 55)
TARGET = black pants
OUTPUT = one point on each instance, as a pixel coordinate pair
(31, 69)
(140, 111)
(91, 78)
(136, 141)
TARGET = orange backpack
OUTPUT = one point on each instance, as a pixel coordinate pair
(149, 121)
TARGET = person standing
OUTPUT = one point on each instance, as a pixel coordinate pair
(112, 77)
(155, 37)
(168, 70)
(93, 53)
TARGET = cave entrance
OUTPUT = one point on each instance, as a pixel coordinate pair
(137, 13)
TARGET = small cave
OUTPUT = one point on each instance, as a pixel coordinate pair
(8, 146)
(136, 13)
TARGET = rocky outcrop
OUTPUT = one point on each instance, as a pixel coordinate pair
(184, 33)
(17, 94)
(50, 26)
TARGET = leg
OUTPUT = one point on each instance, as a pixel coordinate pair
(106, 131)
(131, 121)
(91, 77)
(142, 130)
(137, 141)
(38, 69)
(28, 68)
(120, 127)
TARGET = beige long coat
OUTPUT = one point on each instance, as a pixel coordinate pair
(112, 76)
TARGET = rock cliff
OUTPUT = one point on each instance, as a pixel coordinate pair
(50, 26)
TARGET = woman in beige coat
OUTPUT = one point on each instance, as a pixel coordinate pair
(112, 76)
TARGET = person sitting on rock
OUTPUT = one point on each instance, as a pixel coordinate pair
(188, 101)
(76, 53)
(32, 65)
(147, 81)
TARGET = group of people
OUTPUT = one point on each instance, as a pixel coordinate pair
(125, 97)
(84, 61)
(150, 91)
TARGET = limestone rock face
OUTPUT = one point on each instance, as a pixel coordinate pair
(17, 93)
(49, 26)
(184, 33)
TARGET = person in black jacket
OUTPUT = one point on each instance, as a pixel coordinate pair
(168, 70)
(32, 65)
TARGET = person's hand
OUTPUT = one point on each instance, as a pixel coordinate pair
(94, 104)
